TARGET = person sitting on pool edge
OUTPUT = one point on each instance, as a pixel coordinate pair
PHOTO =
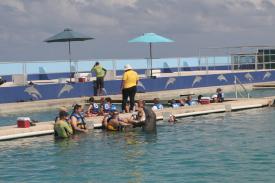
(62, 127)
(113, 122)
(108, 106)
(220, 95)
(174, 104)
(93, 109)
(157, 105)
(77, 119)
(190, 101)
(182, 102)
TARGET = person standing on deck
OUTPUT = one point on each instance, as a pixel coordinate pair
(100, 74)
(129, 86)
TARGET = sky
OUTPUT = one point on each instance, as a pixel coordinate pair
(192, 24)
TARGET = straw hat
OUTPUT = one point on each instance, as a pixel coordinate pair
(127, 67)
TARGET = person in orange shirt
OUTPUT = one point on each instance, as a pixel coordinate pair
(129, 86)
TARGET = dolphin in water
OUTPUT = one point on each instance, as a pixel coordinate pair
(222, 78)
(248, 76)
(196, 80)
(170, 81)
(150, 124)
(65, 88)
(141, 85)
(32, 91)
(267, 75)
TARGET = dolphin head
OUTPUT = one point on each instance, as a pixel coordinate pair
(150, 120)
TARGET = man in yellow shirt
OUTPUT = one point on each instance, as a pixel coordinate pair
(129, 86)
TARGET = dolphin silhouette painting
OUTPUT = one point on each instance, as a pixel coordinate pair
(170, 81)
(196, 80)
(222, 78)
(32, 91)
(267, 75)
(66, 88)
(141, 85)
(249, 77)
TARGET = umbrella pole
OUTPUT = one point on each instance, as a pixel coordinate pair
(70, 61)
(151, 58)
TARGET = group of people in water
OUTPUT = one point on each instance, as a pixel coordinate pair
(67, 124)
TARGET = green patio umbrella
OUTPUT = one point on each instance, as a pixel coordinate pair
(68, 35)
(150, 38)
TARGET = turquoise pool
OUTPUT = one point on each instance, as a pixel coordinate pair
(226, 147)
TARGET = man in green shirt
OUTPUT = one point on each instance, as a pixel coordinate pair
(100, 74)
(62, 128)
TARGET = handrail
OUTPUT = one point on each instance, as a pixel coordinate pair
(237, 81)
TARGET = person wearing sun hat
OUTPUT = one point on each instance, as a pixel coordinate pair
(129, 86)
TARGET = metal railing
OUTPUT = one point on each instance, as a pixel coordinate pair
(237, 83)
(204, 64)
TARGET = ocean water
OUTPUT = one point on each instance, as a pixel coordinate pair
(53, 66)
(225, 147)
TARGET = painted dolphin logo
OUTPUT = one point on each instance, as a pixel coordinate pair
(169, 82)
(141, 85)
(267, 75)
(32, 91)
(66, 88)
(222, 78)
(196, 80)
(248, 76)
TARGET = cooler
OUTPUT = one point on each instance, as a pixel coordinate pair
(23, 122)
(82, 79)
(205, 100)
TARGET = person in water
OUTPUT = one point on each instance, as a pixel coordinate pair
(77, 119)
(190, 101)
(93, 109)
(114, 122)
(139, 114)
(157, 105)
(62, 127)
(61, 109)
(108, 106)
(172, 119)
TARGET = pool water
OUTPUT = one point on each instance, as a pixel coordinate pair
(225, 147)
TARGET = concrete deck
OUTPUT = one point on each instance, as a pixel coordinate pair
(45, 128)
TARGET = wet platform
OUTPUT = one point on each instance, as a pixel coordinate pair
(262, 86)
(46, 128)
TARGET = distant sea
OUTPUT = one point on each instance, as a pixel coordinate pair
(54, 66)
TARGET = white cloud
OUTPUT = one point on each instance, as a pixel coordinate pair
(16, 5)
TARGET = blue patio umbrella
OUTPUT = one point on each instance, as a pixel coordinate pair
(150, 38)
(68, 35)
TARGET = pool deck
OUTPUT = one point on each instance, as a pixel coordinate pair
(46, 128)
